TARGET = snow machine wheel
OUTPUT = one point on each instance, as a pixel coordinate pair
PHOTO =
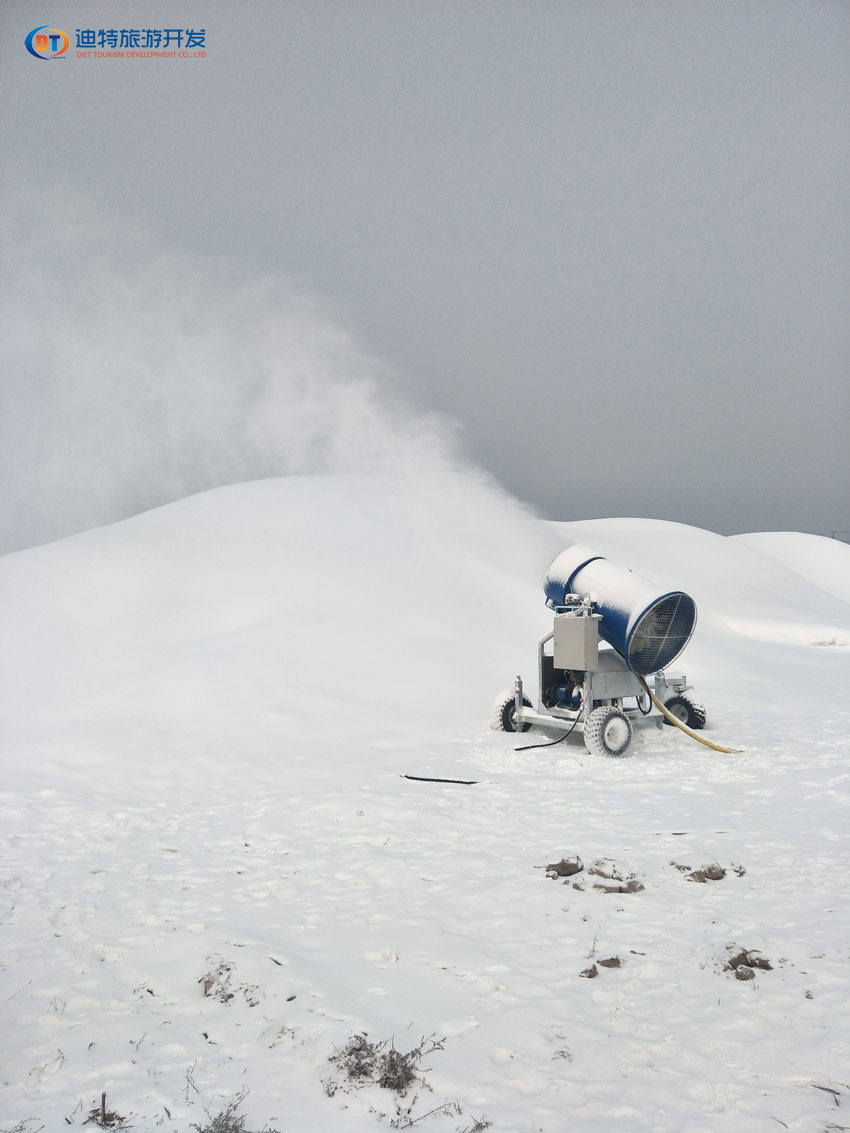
(503, 713)
(688, 712)
(608, 731)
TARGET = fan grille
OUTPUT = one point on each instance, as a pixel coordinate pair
(661, 634)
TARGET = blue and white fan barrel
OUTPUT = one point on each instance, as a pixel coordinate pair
(647, 626)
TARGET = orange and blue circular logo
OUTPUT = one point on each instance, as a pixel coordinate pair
(47, 42)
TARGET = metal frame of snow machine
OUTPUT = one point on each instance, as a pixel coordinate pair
(583, 688)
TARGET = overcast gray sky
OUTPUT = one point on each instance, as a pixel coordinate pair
(611, 237)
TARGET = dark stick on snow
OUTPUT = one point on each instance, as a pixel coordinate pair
(427, 779)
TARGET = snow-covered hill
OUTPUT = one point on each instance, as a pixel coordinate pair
(214, 873)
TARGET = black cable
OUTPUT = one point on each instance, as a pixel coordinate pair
(428, 779)
(566, 735)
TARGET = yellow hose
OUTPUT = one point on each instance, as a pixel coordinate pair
(679, 724)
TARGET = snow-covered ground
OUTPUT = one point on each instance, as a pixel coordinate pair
(214, 873)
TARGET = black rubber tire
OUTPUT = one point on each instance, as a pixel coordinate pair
(608, 731)
(503, 713)
(689, 712)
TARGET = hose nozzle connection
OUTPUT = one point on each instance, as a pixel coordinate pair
(679, 724)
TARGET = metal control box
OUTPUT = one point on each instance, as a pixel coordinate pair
(576, 644)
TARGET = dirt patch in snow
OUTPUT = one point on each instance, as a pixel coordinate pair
(362, 1062)
(613, 878)
(745, 961)
(217, 983)
(593, 971)
(714, 871)
(566, 867)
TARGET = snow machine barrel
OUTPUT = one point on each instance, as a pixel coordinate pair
(648, 627)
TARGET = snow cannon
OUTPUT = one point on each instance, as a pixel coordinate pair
(599, 690)
(648, 627)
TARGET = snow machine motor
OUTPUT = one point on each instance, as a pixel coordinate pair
(600, 691)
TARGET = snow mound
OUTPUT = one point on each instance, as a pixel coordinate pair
(824, 562)
(216, 876)
(752, 585)
(342, 602)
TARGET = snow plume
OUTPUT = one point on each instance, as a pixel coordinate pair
(133, 376)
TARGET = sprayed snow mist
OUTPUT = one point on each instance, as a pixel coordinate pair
(134, 377)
